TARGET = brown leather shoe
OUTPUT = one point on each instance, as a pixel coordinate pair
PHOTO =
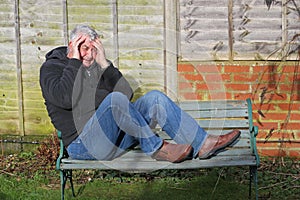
(174, 153)
(214, 143)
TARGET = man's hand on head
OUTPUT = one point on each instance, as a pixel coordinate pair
(100, 56)
(74, 47)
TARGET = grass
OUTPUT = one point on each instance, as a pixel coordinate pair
(218, 183)
(212, 184)
(32, 175)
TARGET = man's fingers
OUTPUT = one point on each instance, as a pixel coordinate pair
(80, 40)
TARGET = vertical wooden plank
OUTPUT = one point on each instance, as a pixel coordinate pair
(292, 28)
(284, 30)
(230, 29)
(170, 47)
(9, 110)
(65, 21)
(19, 69)
(115, 33)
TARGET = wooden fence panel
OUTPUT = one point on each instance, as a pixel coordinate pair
(9, 115)
(239, 30)
(141, 43)
(204, 30)
(257, 30)
(41, 29)
(134, 36)
(293, 29)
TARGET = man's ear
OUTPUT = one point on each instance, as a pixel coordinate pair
(70, 44)
(70, 53)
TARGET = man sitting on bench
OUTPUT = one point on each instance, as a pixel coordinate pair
(88, 100)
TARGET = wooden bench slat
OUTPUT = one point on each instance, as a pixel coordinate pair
(211, 105)
(241, 142)
(137, 157)
(223, 123)
(150, 165)
(244, 133)
(218, 114)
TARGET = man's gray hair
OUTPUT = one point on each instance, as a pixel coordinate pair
(84, 30)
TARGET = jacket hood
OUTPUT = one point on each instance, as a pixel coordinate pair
(57, 53)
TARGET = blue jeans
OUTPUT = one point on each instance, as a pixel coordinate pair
(119, 124)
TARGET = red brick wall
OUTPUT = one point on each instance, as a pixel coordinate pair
(274, 90)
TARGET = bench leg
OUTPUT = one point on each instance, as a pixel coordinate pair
(64, 176)
(253, 177)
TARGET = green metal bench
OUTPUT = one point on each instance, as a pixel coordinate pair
(217, 117)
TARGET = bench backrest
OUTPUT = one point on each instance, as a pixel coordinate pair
(219, 117)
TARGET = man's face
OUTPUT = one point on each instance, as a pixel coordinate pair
(87, 52)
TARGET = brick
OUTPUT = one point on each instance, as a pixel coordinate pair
(213, 77)
(260, 87)
(286, 87)
(290, 144)
(209, 69)
(271, 79)
(273, 152)
(288, 106)
(215, 87)
(184, 85)
(245, 78)
(271, 96)
(275, 116)
(226, 77)
(293, 78)
(186, 68)
(294, 153)
(237, 69)
(192, 77)
(237, 87)
(267, 144)
(295, 116)
(255, 117)
(291, 126)
(264, 69)
(296, 134)
(201, 86)
(192, 96)
(242, 96)
(219, 95)
(279, 135)
(259, 69)
(263, 107)
(268, 125)
(295, 97)
(290, 69)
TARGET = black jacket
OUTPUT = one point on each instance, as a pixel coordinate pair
(68, 108)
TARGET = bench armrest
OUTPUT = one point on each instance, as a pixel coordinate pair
(253, 131)
(62, 153)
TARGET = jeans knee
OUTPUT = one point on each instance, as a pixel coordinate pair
(118, 95)
(118, 98)
(155, 94)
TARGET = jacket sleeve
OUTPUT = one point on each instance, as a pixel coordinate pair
(57, 79)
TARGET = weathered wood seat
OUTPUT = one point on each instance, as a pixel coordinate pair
(217, 117)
